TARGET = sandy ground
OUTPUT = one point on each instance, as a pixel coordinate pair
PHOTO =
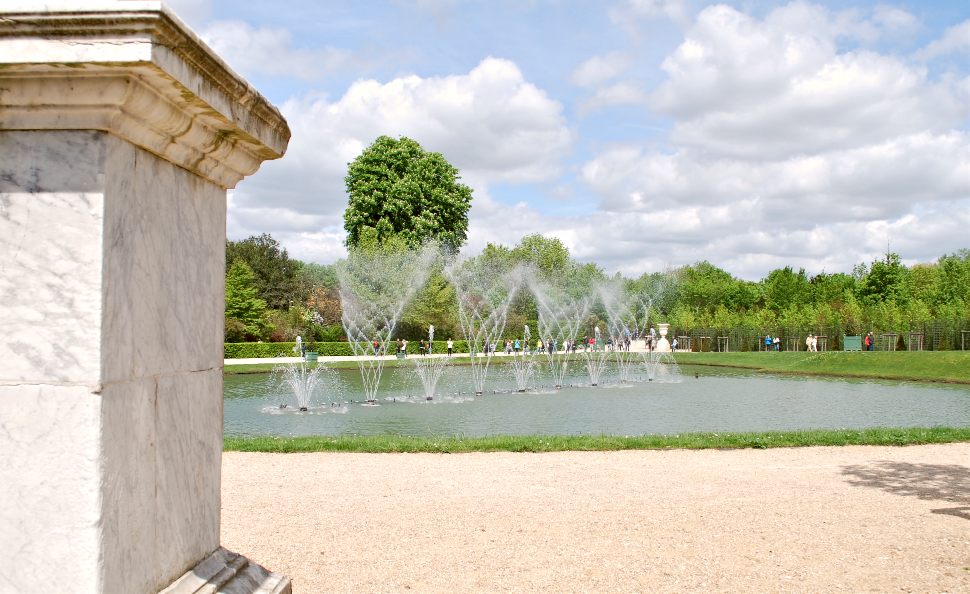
(854, 519)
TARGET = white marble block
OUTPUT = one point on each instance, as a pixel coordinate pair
(119, 135)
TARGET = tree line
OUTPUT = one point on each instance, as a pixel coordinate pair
(272, 297)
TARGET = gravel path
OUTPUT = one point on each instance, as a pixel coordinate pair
(782, 520)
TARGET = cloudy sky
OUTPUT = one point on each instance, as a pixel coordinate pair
(642, 133)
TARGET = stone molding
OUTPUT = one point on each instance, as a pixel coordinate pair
(225, 571)
(140, 74)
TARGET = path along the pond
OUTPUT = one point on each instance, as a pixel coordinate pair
(794, 520)
(637, 346)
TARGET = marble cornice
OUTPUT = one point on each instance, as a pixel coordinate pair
(141, 74)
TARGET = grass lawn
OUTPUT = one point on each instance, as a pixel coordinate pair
(936, 366)
(556, 443)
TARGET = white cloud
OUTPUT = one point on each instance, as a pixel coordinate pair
(192, 12)
(754, 89)
(874, 181)
(627, 10)
(271, 51)
(490, 123)
(792, 142)
(894, 20)
(621, 93)
(955, 39)
(788, 150)
(735, 236)
(599, 69)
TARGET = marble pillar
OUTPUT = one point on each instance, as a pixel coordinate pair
(119, 135)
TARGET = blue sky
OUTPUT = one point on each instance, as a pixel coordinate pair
(643, 133)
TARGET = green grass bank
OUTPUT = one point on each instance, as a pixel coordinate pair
(558, 443)
(933, 366)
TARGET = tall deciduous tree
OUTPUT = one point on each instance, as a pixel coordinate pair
(276, 275)
(784, 288)
(398, 188)
(886, 281)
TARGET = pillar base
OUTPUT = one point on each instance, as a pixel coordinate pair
(228, 572)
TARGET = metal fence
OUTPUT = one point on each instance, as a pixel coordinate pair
(935, 335)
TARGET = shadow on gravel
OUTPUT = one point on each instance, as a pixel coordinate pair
(935, 482)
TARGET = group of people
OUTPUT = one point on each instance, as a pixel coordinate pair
(774, 344)
(811, 343)
(425, 347)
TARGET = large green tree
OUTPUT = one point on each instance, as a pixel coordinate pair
(398, 188)
(276, 275)
(886, 280)
(784, 288)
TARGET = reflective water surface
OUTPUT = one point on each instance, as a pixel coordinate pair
(705, 400)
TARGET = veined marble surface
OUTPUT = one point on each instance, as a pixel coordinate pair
(112, 235)
(51, 215)
(164, 266)
(112, 283)
(50, 478)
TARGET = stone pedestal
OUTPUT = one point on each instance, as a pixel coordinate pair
(119, 135)
(663, 345)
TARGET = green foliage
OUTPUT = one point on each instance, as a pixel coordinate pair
(287, 324)
(398, 188)
(784, 289)
(434, 305)
(276, 276)
(831, 288)
(704, 286)
(266, 350)
(244, 310)
(885, 281)
(954, 278)
(319, 275)
(548, 255)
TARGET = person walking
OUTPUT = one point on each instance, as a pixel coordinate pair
(451, 346)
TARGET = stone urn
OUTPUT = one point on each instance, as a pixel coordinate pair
(663, 345)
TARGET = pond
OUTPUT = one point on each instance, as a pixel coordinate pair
(706, 399)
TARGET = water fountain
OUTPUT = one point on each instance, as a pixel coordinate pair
(662, 367)
(375, 285)
(622, 311)
(560, 316)
(430, 368)
(304, 382)
(485, 289)
(523, 363)
(596, 358)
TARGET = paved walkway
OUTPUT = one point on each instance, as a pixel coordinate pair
(638, 346)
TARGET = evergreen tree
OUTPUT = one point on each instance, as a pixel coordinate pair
(245, 312)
